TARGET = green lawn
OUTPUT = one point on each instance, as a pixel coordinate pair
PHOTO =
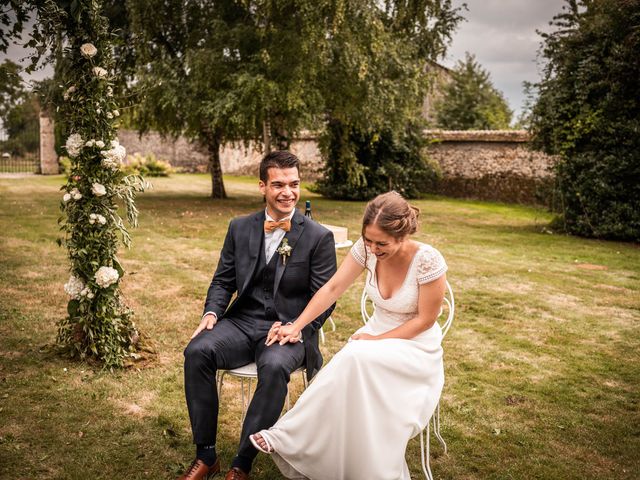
(542, 362)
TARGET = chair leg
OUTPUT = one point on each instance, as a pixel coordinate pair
(436, 428)
(322, 339)
(288, 396)
(424, 452)
(219, 381)
(246, 397)
(333, 324)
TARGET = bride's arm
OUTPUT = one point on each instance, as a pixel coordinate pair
(325, 297)
(430, 299)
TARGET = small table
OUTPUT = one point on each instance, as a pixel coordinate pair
(345, 244)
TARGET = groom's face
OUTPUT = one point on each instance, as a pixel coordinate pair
(281, 191)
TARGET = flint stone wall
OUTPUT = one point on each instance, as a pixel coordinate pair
(491, 165)
(236, 159)
(486, 165)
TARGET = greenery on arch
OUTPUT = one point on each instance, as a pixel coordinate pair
(75, 35)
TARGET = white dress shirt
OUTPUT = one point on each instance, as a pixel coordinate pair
(273, 239)
(271, 242)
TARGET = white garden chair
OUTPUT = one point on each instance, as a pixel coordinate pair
(345, 244)
(367, 309)
(247, 374)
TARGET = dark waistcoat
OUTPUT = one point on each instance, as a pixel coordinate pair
(257, 299)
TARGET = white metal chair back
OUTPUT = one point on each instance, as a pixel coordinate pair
(367, 310)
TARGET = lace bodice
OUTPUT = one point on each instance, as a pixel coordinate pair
(427, 265)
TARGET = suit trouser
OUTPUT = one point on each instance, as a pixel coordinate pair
(230, 344)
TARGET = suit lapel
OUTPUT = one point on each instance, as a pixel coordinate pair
(297, 227)
(256, 236)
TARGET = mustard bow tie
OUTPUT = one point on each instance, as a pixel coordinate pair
(270, 226)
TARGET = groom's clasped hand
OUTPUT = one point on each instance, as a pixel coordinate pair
(283, 334)
(290, 333)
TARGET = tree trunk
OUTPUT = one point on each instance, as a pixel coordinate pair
(266, 136)
(279, 135)
(217, 183)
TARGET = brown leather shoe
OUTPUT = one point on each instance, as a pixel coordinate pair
(236, 474)
(198, 470)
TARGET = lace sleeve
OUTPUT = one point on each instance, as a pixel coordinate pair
(431, 265)
(358, 252)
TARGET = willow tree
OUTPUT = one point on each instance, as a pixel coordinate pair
(77, 35)
(373, 84)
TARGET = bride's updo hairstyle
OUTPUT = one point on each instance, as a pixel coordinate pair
(392, 214)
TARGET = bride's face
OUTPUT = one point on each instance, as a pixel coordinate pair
(381, 244)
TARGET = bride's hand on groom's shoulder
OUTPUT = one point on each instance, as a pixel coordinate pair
(208, 321)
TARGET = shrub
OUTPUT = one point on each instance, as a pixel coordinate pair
(65, 166)
(147, 166)
(361, 165)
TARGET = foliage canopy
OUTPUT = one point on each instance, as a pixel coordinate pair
(470, 101)
(376, 81)
(588, 114)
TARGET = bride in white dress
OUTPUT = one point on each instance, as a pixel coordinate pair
(380, 390)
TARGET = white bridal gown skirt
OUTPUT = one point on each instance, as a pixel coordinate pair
(355, 419)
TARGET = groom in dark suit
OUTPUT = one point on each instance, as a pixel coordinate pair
(274, 260)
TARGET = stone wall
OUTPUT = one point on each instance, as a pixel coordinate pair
(236, 159)
(489, 165)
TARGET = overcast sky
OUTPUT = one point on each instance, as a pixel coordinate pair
(500, 33)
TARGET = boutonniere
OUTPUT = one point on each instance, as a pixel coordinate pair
(284, 250)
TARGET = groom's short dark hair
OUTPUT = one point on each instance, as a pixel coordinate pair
(277, 159)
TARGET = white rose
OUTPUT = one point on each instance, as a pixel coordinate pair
(75, 194)
(92, 218)
(109, 92)
(109, 115)
(88, 50)
(114, 156)
(74, 286)
(106, 276)
(90, 295)
(100, 144)
(99, 72)
(90, 143)
(98, 189)
(116, 113)
(74, 144)
(101, 220)
(98, 111)
(66, 197)
(67, 94)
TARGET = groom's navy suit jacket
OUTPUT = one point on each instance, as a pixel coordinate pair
(311, 264)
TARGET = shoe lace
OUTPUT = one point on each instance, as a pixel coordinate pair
(192, 468)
